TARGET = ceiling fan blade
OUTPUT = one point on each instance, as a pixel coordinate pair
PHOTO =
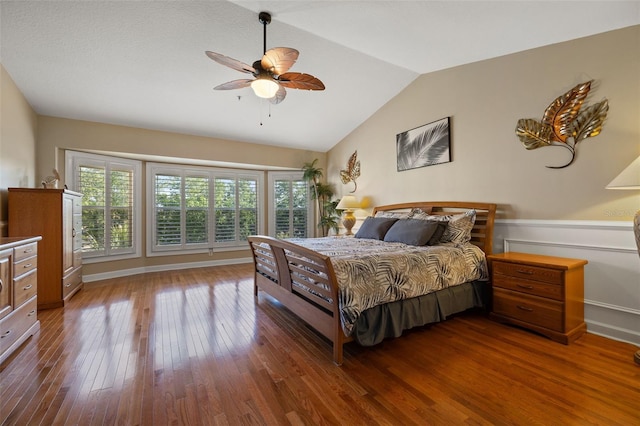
(298, 80)
(279, 96)
(235, 84)
(279, 59)
(231, 63)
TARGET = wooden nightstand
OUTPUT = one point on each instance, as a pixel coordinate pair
(542, 293)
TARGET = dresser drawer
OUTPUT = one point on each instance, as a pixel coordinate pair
(552, 276)
(25, 251)
(536, 288)
(534, 310)
(16, 324)
(71, 282)
(24, 266)
(24, 288)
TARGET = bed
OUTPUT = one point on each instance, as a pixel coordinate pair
(357, 288)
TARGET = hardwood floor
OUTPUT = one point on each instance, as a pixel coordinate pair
(194, 347)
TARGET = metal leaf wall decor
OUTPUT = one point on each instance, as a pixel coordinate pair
(563, 124)
(352, 172)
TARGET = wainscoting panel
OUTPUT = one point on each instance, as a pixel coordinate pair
(612, 276)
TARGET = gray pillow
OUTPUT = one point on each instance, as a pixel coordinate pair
(414, 232)
(375, 228)
(437, 236)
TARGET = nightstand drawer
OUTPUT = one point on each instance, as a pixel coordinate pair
(552, 276)
(531, 309)
(552, 291)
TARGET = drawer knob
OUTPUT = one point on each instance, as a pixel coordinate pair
(5, 334)
(524, 271)
(32, 313)
(1, 284)
(524, 308)
(28, 265)
(29, 250)
(67, 285)
(27, 287)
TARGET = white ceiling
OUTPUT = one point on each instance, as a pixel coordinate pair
(142, 63)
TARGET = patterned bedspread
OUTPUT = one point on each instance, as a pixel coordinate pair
(372, 272)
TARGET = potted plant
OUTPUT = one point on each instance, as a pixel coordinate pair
(321, 193)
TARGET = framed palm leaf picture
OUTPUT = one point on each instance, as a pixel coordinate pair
(424, 146)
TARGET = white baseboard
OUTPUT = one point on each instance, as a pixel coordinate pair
(160, 268)
(612, 276)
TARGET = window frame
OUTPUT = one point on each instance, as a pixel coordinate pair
(289, 176)
(74, 160)
(211, 173)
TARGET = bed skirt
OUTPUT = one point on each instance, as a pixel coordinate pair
(391, 319)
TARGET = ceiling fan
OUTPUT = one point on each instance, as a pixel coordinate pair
(270, 73)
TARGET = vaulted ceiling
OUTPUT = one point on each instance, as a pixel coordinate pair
(142, 63)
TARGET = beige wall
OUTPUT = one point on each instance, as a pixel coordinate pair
(58, 134)
(18, 126)
(485, 101)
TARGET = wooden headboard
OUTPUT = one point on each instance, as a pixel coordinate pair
(482, 232)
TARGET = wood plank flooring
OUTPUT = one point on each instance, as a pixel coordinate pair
(194, 347)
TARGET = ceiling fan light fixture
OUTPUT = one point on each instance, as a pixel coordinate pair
(265, 87)
(271, 72)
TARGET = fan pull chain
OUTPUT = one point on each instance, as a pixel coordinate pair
(261, 107)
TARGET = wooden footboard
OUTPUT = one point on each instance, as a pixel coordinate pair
(302, 280)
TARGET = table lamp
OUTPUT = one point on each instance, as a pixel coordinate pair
(348, 203)
(629, 178)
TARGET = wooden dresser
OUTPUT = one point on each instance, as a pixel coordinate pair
(542, 293)
(56, 215)
(18, 292)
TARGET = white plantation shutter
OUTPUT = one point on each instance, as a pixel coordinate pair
(290, 208)
(283, 217)
(168, 209)
(300, 208)
(247, 207)
(110, 192)
(225, 209)
(120, 208)
(91, 183)
(196, 195)
(199, 208)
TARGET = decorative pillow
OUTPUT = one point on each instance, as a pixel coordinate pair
(437, 236)
(395, 215)
(415, 232)
(459, 227)
(375, 228)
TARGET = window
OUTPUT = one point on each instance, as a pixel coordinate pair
(198, 208)
(290, 208)
(110, 189)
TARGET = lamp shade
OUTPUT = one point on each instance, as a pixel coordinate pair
(264, 87)
(348, 202)
(629, 178)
